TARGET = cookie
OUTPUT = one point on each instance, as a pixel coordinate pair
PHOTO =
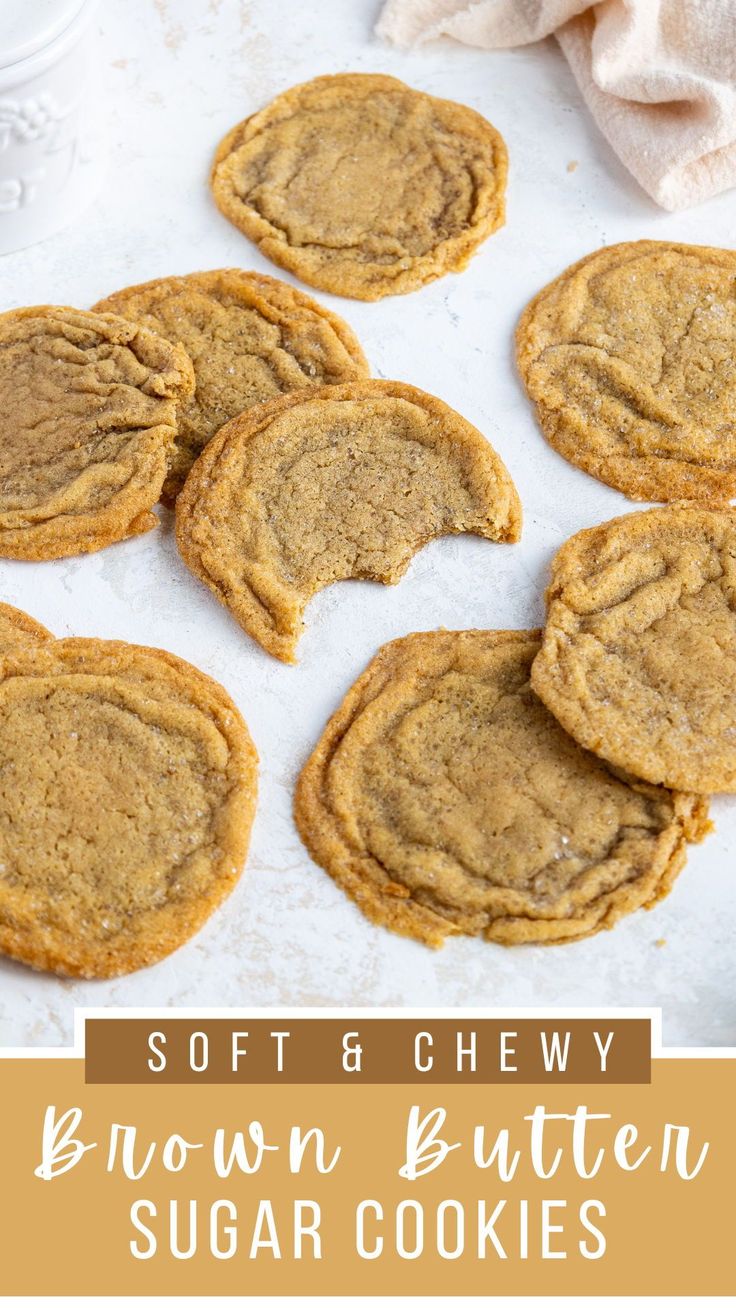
(127, 791)
(19, 629)
(639, 654)
(87, 416)
(445, 799)
(630, 358)
(326, 484)
(249, 337)
(361, 185)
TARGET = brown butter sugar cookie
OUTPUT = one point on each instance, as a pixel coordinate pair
(87, 416)
(323, 485)
(249, 337)
(630, 358)
(20, 629)
(361, 185)
(445, 799)
(127, 792)
(639, 654)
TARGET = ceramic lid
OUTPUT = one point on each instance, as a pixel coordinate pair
(28, 25)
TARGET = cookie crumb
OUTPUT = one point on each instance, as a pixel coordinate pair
(572, 166)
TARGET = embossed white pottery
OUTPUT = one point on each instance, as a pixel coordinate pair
(49, 117)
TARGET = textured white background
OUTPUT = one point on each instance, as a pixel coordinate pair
(176, 76)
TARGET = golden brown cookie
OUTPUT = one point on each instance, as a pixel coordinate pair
(630, 358)
(361, 185)
(322, 485)
(19, 629)
(445, 799)
(87, 417)
(127, 791)
(639, 654)
(249, 337)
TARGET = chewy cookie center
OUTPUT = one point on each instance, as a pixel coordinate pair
(663, 629)
(364, 487)
(512, 804)
(673, 320)
(103, 809)
(69, 414)
(372, 178)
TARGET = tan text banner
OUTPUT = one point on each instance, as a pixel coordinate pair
(339, 1189)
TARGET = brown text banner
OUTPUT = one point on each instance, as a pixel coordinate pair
(374, 1051)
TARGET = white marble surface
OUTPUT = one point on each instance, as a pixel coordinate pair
(177, 75)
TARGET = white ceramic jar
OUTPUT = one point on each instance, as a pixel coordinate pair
(50, 138)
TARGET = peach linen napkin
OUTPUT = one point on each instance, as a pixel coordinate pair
(659, 76)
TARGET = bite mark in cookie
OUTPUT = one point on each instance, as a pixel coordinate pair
(321, 486)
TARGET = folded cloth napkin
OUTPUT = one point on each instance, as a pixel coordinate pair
(659, 76)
